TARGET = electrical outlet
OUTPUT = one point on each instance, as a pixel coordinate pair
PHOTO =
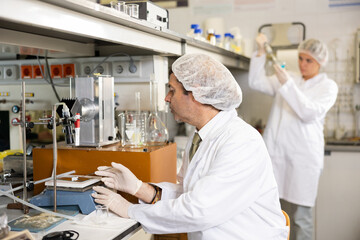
(69, 70)
(120, 69)
(10, 72)
(86, 68)
(37, 72)
(1, 72)
(135, 69)
(26, 71)
(56, 71)
(103, 69)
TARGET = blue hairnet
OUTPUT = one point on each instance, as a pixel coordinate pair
(209, 81)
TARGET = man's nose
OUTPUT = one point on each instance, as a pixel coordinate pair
(167, 98)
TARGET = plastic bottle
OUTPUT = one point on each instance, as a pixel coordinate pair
(218, 40)
(211, 36)
(232, 44)
(191, 33)
(198, 34)
(227, 41)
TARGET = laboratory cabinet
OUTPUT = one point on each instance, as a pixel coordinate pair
(149, 164)
(337, 211)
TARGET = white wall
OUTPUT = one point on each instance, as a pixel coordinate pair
(335, 26)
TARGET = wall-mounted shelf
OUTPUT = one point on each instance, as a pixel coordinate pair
(74, 28)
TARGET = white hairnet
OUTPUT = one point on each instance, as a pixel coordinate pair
(209, 81)
(316, 49)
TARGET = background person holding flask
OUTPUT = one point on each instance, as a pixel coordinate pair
(294, 132)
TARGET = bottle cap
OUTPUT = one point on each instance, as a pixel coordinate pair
(194, 26)
(227, 34)
(198, 30)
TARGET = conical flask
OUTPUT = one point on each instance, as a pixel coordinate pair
(157, 132)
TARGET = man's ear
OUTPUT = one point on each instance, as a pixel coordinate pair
(193, 99)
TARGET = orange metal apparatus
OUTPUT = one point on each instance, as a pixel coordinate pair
(155, 164)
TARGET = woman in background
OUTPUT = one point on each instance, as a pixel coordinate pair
(294, 133)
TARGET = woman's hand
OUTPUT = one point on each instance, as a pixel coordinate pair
(282, 75)
(261, 39)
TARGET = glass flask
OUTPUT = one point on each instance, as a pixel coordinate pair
(271, 59)
(157, 133)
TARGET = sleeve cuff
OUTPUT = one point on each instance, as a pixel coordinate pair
(285, 88)
(131, 210)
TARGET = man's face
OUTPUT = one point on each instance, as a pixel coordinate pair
(180, 103)
(308, 66)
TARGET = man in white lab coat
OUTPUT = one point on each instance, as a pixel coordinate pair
(294, 132)
(226, 187)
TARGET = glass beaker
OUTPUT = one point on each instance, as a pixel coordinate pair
(133, 10)
(157, 133)
(132, 129)
(102, 214)
(113, 4)
(119, 5)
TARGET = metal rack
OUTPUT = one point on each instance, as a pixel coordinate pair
(279, 32)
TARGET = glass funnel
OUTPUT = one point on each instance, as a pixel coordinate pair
(157, 132)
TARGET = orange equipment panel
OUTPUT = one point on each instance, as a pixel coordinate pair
(151, 164)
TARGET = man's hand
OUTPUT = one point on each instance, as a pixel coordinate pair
(115, 202)
(120, 178)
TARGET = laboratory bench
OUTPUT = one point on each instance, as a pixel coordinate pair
(128, 230)
(337, 210)
(150, 164)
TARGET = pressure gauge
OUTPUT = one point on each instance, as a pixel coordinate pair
(15, 109)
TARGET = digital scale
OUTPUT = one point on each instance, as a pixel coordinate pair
(70, 191)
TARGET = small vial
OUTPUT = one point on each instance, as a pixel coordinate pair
(227, 41)
(211, 36)
(198, 34)
(191, 33)
(218, 40)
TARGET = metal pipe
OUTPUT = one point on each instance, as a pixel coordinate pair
(54, 152)
(43, 180)
(23, 125)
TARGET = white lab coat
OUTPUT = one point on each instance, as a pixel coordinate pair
(228, 191)
(294, 132)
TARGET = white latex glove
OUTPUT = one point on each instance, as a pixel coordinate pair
(120, 178)
(261, 39)
(282, 75)
(113, 201)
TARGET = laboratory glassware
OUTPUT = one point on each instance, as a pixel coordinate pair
(101, 214)
(132, 129)
(119, 5)
(133, 10)
(211, 36)
(157, 133)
